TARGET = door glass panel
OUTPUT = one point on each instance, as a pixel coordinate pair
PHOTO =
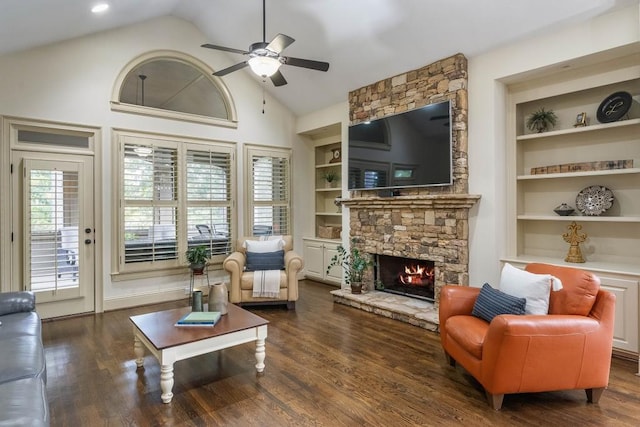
(53, 223)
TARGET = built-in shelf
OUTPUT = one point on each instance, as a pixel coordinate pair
(328, 165)
(578, 174)
(332, 189)
(336, 214)
(622, 268)
(580, 218)
(582, 129)
(534, 232)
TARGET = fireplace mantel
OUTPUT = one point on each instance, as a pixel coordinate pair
(431, 201)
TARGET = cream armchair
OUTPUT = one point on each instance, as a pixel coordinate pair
(241, 281)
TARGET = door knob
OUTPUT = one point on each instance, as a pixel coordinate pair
(87, 241)
(87, 230)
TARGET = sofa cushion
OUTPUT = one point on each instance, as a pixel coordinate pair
(257, 261)
(246, 281)
(469, 332)
(21, 357)
(535, 288)
(262, 246)
(24, 402)
(20, 324)
(491, 303)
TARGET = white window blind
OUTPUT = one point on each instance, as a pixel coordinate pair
(209, 203)
(270, 184)
(150, 212)
(52, 229)
(174, 194)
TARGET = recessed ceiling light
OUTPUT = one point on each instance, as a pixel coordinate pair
(100, 7)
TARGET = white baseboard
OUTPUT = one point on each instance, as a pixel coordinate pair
(144, 299)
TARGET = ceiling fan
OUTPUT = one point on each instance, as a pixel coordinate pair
(265, 59)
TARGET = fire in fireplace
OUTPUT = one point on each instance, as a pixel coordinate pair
(405, 276)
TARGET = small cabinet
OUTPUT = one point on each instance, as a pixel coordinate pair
(317, 256)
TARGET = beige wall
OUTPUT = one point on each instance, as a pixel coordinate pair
(72, 82)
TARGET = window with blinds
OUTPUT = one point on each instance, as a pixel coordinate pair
(175, 195)
(209, 200)
(269, 190)
(150, 211)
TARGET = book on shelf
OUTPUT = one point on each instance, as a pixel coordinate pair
(199, 318)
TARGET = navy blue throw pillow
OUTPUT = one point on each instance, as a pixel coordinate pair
(257, 261)
(492, 302)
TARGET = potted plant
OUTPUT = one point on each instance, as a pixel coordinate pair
(541, 120)
(331, 177)
(354, 264)
(197, 256)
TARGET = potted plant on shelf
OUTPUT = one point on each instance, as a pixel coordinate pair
(331, 177)
(354, 264)
(542, 120)
(197, 256)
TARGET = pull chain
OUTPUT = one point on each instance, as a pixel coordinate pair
(263, 100)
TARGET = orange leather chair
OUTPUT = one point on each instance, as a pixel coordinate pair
(570, 348)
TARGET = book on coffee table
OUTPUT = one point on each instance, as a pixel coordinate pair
(199, 318)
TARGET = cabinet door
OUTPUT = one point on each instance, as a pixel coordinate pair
(313, 260)
(625, 329)
(335, 273)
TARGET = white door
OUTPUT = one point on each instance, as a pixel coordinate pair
(53, 227)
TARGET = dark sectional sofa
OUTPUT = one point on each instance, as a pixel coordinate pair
(23, 373)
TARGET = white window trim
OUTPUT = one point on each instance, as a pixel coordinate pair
(251, 150)
(119, 271)
(207, 71)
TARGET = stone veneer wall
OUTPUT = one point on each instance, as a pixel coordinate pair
(437, 82)
(424, 223)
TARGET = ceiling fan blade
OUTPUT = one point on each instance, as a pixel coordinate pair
(280, 43)
(231, 69)
(226, 49)
(306, 63)
(278, 79)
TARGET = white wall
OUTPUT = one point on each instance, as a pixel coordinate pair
(487, 123)
(72, 82)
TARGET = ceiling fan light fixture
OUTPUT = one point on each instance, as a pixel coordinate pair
(264, 66)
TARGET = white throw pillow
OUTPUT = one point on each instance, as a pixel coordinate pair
(263, 246)
(535, 288)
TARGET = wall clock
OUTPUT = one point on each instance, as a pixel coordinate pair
(336, 155)
(614, 107)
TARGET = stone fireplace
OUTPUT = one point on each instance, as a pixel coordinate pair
(433, 228)
(428, 224)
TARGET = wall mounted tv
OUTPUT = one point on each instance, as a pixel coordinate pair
(410, 149)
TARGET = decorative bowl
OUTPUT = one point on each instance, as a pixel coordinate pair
(594, 200)
(564, 210)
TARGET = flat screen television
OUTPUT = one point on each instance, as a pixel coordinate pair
(410, 149)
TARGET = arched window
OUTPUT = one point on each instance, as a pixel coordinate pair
(173, 85)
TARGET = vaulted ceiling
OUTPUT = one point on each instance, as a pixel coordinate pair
(363, 40)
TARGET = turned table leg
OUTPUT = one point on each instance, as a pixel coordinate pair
(138, 350)
(166, 382)
(260, 354)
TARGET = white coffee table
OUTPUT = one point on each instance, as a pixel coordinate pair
(170, 343)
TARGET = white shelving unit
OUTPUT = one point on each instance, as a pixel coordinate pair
(319, 249)
(612, 249)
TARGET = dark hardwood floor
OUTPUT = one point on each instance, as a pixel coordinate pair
(326, 365)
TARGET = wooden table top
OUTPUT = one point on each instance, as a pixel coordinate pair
(159, 327)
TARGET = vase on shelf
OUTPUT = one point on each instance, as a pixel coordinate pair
(218, 297)
(564, 210)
